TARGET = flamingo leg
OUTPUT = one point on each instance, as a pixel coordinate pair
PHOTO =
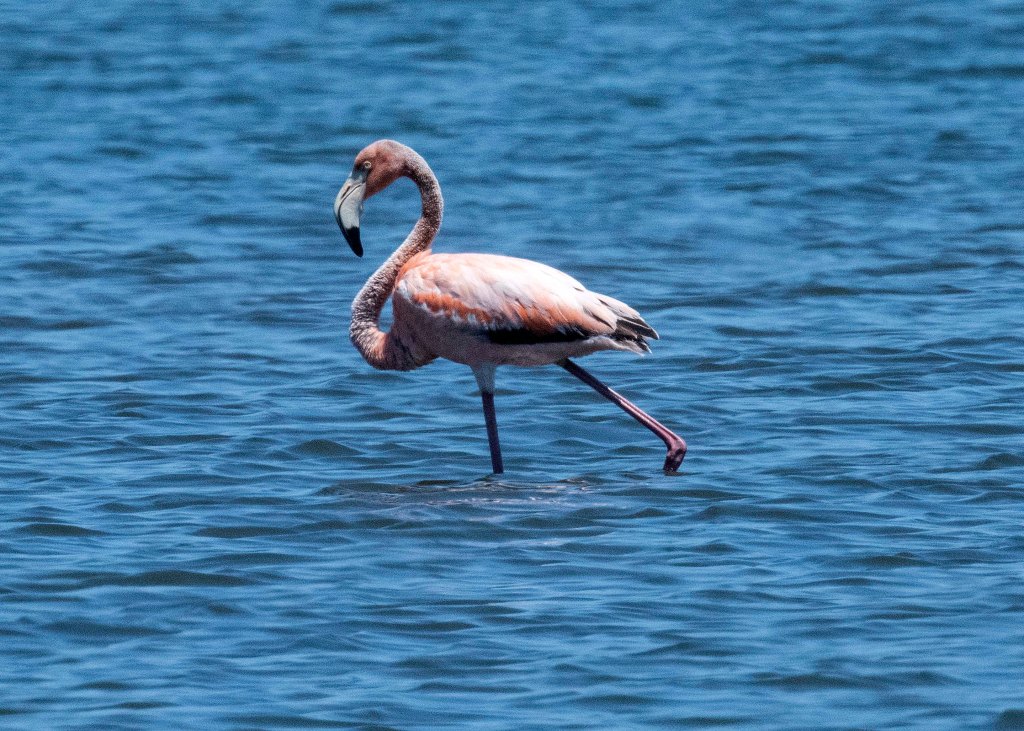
(675, 444)
(492, 431)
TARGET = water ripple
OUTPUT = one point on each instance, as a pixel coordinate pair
(219, 517)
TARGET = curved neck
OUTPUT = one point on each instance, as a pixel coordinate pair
(377, 347)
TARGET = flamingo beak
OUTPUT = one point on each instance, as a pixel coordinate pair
(348, 206)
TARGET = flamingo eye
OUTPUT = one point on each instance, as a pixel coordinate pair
(367, 165)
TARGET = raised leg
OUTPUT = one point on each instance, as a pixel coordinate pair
(675, 444)
(492, 432)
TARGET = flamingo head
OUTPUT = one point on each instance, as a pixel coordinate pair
(376, 167)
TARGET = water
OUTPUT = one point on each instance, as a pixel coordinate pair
(217, 516)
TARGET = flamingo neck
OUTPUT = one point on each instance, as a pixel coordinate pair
(383, 350)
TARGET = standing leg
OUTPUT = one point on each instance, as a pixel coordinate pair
(676, 445)
(492, 432)
(485, 379)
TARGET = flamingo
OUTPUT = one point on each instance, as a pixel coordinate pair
(480, 310)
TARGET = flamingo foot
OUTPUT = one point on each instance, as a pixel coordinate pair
(674, 458)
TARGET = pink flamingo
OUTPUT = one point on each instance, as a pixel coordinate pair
(478, 309)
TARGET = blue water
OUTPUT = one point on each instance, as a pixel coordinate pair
(215, 515)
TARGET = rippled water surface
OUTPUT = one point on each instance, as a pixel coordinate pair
(215, 515)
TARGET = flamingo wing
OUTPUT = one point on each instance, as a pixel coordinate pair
(514, 301)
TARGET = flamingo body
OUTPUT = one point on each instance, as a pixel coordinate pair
(481, 310)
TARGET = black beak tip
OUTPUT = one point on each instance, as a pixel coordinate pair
(352, 237)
